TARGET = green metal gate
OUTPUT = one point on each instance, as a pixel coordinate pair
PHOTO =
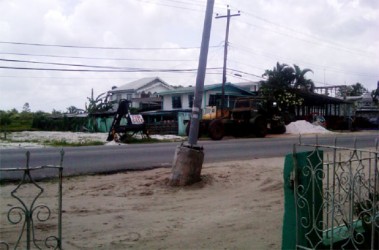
(38, 225)
(331, 198)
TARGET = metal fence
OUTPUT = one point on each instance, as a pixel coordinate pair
(336, 196)
(28, 223)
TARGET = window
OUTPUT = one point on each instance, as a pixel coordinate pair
(176, 102)
(212, 100)
(190, 100)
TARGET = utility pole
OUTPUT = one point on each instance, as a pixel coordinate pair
(227, 16)
(188, 159)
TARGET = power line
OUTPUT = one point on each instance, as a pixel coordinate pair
(96, 47)
(316, 40)
(97, 58)
(62, 64)
(121, 70)
(169, 5)
(330, 68)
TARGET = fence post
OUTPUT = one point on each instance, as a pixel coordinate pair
(302, 221)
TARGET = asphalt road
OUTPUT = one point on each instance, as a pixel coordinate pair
(110, 159)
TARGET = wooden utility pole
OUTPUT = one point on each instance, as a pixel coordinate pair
(227, 16)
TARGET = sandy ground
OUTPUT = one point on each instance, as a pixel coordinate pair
(238, 205)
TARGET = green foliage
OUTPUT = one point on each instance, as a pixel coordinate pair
(300, 82)
(353, 90)
(15, 121)
(287, 99)
(64, 143)
(283, 76)
(5, 121)
(47, 122)
(375, 96)
(74, 110)
(280, 77)
(5, 118)
(26, 108)
(281, 80)
(12, 121)
(98, 104)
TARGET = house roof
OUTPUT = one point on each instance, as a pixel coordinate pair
(184, 90)
(139, 84)
(314, 99)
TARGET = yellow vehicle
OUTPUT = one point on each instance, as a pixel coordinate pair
(250, 115)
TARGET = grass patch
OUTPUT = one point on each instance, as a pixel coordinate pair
(64, 143)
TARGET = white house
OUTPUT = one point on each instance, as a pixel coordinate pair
(182, 98)
(141, 93)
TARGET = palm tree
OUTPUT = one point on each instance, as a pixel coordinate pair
(280, 77)
(300, 82)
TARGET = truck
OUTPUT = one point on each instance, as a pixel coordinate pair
(249, 116)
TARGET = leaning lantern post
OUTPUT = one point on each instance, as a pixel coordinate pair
(189, 157)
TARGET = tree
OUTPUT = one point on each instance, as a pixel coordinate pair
(352, 90)
(55, 112)
(72, 110)
(281, 80)
(300, 82)
(280, 77)
(357, 89)
(375, 95)
(98, 104)
(26, 108)
(5, 121)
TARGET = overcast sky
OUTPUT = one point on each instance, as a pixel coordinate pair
(337, 39)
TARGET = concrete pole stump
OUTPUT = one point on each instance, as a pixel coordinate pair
(187, 165)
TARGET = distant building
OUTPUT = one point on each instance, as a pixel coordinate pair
(142, 93)
(182, 98)
(366, 108)
(249, 86)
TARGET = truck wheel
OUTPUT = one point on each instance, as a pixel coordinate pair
(216, 130)
(282, 129)
(279, 130)
(260, 126)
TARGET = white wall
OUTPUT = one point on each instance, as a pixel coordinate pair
(185, 102)
(167, 102)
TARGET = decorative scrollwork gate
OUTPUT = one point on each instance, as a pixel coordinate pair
(335, 196)
(30, 216)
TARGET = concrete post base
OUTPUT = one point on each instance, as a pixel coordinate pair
(186, 167)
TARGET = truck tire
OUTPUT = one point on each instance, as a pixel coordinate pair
(260, 127)
(279, 130)
(216, 130)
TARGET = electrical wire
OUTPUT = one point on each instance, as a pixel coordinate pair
(96, 47)
(316, 40)
(121, 70)
(97, 58)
